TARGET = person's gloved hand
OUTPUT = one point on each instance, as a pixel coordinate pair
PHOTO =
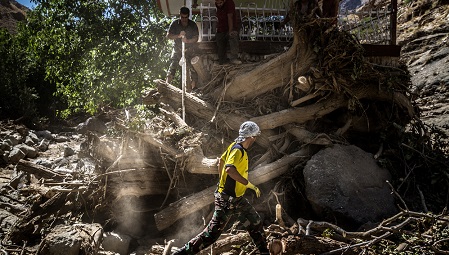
(256, 189)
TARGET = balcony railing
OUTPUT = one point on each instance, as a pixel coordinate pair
(263, 23)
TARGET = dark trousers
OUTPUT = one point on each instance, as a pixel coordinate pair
(176, 55)
(222, 43)
(225, 209)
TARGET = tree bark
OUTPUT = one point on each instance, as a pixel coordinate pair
(315, 245)
(226, 244)
(198, 164)
(202, 72)
(318, 110)
(270, 75)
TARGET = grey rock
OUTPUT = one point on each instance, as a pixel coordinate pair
(45, 134)
(43, 145)
(15, 155)
(7, 219)
(29, 141)
(92, 124)
(73, 240)
(13, 139)
(6, 146)
(345, 183)
(68, 151)
(30, 152)
(44, 162)
(61, 139)
(33, 137)
(116, 242)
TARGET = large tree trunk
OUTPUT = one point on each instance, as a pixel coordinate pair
(277, 72)
(318, 110)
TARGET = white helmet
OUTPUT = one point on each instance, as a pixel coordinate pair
(247, 129)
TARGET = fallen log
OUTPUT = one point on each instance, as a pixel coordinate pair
(195, 202)
(303, 114)
(270, 75)
(138, 182)
(198, 164)
(225, 244)
(174, 117)
(315, 245)
(306, 136)
(199, 108)
(39, 171)
(304, 99)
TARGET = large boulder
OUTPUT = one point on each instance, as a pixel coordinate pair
(345, 184)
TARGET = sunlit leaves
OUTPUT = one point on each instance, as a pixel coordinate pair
(15, 67)
(99, 52)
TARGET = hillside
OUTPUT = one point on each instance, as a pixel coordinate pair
(423, 33)
(11, 12)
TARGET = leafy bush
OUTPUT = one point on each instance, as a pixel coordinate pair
(18, 99)
(98, 53)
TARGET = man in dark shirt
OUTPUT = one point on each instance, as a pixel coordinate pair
(227, 32)
(183, 30)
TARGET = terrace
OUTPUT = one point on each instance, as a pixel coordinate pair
(261, 31)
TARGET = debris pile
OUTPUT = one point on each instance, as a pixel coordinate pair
(148, 173)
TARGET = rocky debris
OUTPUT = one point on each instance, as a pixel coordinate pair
(7, 219)
(72, 240)
(118, 175)
(18, 142)
(116, 242)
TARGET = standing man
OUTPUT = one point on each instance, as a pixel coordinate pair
(183, 30)
(229, 200)
(227, 32)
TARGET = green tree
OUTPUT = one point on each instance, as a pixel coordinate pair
(99, 52)
(18, 99)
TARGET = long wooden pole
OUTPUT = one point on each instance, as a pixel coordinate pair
(184, 79)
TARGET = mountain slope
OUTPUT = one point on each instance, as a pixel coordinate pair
(11, 12)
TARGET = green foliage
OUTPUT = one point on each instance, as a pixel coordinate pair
(18, 99)
(98, 53)
(138, 120)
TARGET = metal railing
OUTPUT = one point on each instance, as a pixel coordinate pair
(263, 23)
(371, 26)
(256, 22)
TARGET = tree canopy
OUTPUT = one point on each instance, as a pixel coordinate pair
(92, 53)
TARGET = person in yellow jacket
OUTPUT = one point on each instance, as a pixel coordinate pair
(229, 200)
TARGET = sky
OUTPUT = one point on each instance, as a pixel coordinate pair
(27, 3)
